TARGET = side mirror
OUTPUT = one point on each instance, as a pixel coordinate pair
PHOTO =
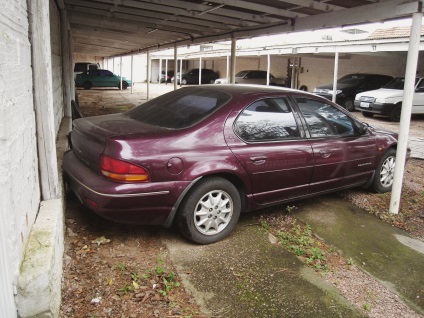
(362, 128)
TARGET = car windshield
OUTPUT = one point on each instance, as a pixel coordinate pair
(397, 83)
(179, 109)
(351, 78)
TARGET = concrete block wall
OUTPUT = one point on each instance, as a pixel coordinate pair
(19, 183)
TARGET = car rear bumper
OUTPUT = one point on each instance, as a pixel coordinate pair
(375, 108)
(141, 203)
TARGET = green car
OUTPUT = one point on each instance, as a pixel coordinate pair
(100, 78)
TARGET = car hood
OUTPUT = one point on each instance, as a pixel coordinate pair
(381, 93)
(339, 86)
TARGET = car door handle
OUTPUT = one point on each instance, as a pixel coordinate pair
(258, 160)
(324, 154)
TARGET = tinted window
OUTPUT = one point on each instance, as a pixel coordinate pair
(179, 109)
(106, 73)
(267, 119)
(241, 74)
(324, 119)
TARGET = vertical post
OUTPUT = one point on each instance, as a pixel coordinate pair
(132, 72)
(176, 67)
(181, 70)
(405, 117)
(228, 70)
(267, 68)
(160, 72)
(293, 74)
(200, 70)
(335, 75)
(148, 75)
(67, 74)
(233, 61)
(166, 71)
(113, 65)
(120, 73)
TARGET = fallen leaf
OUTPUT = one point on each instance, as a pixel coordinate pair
(100, 240)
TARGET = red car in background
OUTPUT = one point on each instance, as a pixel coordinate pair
(199, 156)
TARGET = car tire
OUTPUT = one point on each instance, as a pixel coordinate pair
(211, 199)
(395, 114)
(124, 85)
(349, 104)
(184, 81)
(384, 173)
(367, 114)
(87, 85)
(303, 88)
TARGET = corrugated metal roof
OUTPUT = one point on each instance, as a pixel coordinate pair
(117, 27)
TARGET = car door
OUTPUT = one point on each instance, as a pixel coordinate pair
(418, 100)
(109, 79)
(268, 142)
(342, 156)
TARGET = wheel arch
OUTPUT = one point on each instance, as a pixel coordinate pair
(234, 179)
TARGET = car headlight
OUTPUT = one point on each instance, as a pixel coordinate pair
(337, 92)
(382, 100)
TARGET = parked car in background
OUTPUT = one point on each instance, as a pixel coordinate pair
(199, 156)
(101, 78)
(350, 85)
(387, 101)
(81, 67)
(165, 78)
(192, 76)
(254, 77)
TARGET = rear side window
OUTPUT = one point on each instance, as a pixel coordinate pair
(179, 109)
(268, 119)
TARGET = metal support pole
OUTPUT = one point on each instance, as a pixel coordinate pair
(166, 71)
(335, 75)
(120, 73)
(228, 70)
(113, 65)
(181, 71)
(176, 67)
(200, 70)
(405, 117)
(160, 72)
(233, 61)
(132, 71)
(293, 74)
(148, 75)
(267, 69)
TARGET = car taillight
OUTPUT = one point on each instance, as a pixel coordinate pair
(123, 171)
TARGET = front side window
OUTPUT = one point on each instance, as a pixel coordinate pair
(268, 119)
(324, 119)
(179, 109)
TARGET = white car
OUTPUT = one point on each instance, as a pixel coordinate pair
(387, 101)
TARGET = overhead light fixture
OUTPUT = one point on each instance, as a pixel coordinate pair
(212, 9)
(151, 31)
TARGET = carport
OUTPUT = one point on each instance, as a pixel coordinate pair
(115, 28)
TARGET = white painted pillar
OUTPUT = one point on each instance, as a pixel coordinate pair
(405, 117)
(293, 74)
(166, 71)
(176, 67)
(148, 75)
(267, 69)
(160, 71)
(113, 65)
(132, 72)
(43, 99)
(228, 69)
(181, 70)
(335, 75)
(200, 70)
(120, 73)
(233, 61)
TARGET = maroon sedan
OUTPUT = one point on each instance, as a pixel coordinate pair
(199, 156)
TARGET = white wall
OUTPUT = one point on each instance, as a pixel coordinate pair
(19, 183)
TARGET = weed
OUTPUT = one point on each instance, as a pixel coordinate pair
(264, 224)
(134, 277)
(289, 208)
(121, 266)
(125, 289)
(367, 307)
(350, 261)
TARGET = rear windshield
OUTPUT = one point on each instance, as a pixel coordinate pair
(351, 78)
(179, 109)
